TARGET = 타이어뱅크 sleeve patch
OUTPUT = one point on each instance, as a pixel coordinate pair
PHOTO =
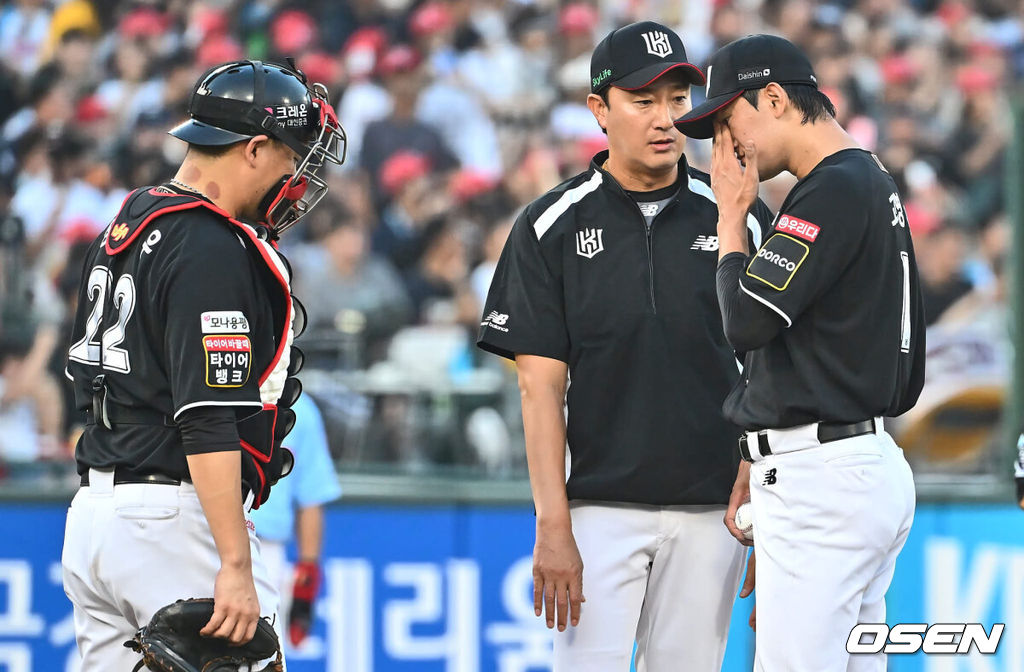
(228, 360)
(778, 261)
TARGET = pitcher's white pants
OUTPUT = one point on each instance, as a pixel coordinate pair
(829, 521)
(131, 549)
(279, 572)
(664, 577)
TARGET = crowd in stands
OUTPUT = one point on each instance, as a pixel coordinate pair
(458, 113)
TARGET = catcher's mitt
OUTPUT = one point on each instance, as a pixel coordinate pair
(171, 642)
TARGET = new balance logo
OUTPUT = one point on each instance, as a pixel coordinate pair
(769, 477)
(495, 320)
(706, 243)
(649, 209)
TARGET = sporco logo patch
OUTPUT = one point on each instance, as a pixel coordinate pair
(777, 259)
(912, 637)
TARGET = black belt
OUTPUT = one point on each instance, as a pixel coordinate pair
(827, 432)
(830, 431)
(124, 475)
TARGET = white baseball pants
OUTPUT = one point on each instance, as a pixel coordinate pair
(829, 521)
(664, 577)
(279, 570)
(130, 550)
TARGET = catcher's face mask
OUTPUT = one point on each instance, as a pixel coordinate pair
(295, 195)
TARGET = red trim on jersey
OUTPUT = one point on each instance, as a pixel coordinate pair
(284, 285)
(257, 458)
(135, 234)
(273, 424)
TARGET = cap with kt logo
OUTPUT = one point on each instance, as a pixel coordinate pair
(751, 62)
(633, 56)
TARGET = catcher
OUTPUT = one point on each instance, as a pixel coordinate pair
(182, 358)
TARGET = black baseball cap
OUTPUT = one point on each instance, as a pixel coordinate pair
(751, 62)
(633, 56)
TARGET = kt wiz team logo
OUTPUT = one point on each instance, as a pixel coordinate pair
(657, 44)
(589, 243)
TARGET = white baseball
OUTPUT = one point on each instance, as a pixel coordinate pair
(745, 520)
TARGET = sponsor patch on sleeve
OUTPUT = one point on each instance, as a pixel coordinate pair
(228, 360)
(800, 228)
(224, 322)
(778, 260)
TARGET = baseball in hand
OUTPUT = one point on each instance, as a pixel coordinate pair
(745, 520)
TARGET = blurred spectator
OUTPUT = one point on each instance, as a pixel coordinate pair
(414, 200)
(133, 91)
(437, 284)
(50, 106)
(459, 117)
(940, 249)
(30, 402)
(577, 23)
(292, 33)
(75, 59)
(400, 130)
(24, 27)
(364, 100)
(494, 243)
(354, 300)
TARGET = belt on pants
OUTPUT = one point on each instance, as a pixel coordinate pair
(755, 446)
(123, 475)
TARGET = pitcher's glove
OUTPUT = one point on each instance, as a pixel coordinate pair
(171, 642)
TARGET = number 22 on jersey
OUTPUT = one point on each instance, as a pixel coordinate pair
(105, 351)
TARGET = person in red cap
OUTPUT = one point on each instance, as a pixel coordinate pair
(401, 131)
(609, 279)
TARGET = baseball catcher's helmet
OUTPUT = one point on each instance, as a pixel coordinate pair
(242, 99)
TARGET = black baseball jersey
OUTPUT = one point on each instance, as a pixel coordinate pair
(632, 310)
(839, 269)
(178, 309)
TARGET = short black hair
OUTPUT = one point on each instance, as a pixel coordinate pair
(213, 151)
(814, 104)
(216, 151)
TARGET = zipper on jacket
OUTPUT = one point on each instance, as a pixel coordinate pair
(649, 230)
(650, 258)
